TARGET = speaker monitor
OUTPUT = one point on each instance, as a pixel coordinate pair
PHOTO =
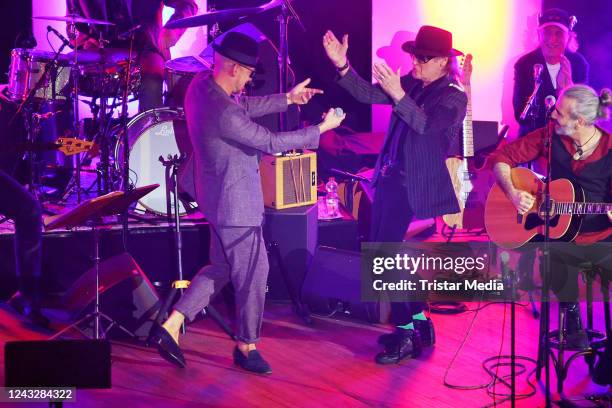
(126, 295)
(293, 235)
(289, 181)
(59, 363)
(333, 283)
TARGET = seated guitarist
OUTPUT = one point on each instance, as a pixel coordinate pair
(582, 153)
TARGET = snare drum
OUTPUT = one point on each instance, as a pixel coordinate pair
(153, 133)
(179, 73)
(28, 66)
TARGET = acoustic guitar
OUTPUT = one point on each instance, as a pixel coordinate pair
(509, 229)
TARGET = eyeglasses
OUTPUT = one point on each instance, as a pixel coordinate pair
(251, 70)
(422, 59)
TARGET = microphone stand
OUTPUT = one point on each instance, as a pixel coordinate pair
(283, 53)
(530, 106)
(544, 352)
(510, 277)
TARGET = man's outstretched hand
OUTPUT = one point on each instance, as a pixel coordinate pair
(301, 94)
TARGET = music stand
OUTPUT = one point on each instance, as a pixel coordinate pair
(90, 212)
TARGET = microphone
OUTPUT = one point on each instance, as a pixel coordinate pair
(537, 72)
(338, 112)
(549, 102)
(126, 35)
(60, 36)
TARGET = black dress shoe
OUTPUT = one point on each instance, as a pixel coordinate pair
(254, 362)
(403, 344)
(167, 347)
(425, 329)
(25, 306)
(602, 373)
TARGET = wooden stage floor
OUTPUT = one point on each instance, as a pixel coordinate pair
(328, 364)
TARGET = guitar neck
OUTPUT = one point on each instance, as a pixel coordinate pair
(468, 129)
(581, 208)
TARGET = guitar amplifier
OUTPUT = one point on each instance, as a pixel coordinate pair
(289, 181)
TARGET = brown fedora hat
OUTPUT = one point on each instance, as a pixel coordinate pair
(432, 42)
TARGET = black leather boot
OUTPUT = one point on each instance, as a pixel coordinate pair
(403, 344)
(425, 329)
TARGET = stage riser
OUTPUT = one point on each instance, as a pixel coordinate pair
(67, 255)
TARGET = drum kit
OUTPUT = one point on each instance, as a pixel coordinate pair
(47, 85)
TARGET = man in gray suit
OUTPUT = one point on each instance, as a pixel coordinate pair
(227, 145)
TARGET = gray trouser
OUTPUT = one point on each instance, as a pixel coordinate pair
(237, 254)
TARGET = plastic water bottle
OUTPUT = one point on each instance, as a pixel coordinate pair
(331, 199)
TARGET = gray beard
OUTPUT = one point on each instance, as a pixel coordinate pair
(564, 130)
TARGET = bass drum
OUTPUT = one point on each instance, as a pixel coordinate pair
(151, 134)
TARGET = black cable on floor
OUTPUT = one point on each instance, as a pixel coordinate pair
(492, 369)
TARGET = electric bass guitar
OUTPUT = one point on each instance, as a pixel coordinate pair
(509, 229)
(470, 185)
(67, 145)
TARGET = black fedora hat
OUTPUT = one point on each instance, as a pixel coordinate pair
(238, 47)
(432, 42)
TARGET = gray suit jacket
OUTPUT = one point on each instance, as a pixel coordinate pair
(227, 146)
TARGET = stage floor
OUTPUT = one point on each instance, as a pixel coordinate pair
(328, 364)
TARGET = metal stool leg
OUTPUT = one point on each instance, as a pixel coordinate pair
(560, 363)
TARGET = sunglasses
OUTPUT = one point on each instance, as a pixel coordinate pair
(423, 59)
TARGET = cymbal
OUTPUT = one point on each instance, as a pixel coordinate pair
(74, 19)
(221, 16)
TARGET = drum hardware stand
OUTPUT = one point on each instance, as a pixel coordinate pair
(32, 129)
(172, 165)
(126, 148)
(72, 35)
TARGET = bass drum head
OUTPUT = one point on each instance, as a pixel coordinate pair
(152, 134)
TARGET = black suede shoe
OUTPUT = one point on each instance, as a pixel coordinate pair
(576, 336)
(254, 362)
(166, 346)
(402, 344)
(27, 307)
(602, 374)
(425, 329)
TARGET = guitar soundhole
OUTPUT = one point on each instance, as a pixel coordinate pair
(534, 221)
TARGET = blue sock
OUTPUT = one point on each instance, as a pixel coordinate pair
(409, 326)
(419, 316)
